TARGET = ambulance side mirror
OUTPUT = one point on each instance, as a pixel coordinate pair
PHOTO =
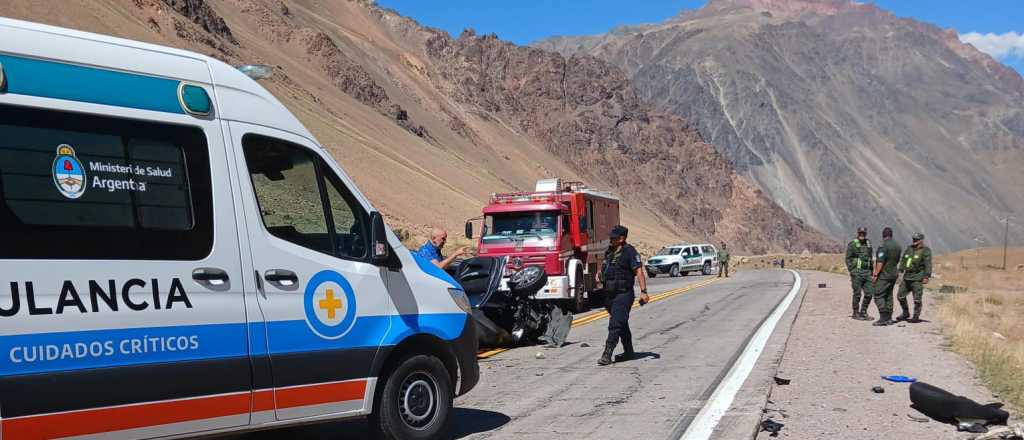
(379, 239)
(469, 230)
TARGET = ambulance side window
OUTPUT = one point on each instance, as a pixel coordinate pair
(301, 200)
(349, 219)
(80, 186)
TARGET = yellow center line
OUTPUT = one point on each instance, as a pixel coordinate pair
(604, 314)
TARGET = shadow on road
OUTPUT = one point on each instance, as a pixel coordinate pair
(464, 422)
(642, 355)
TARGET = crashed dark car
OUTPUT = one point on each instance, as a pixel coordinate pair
(504, 315)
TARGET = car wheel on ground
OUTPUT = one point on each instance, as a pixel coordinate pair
(674, 272)
(706, 270)
(528, 280)
(415, 402)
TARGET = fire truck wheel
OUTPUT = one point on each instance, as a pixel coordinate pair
(674, 272)
(580, 303)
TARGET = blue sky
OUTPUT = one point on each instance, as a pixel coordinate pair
(995, 26)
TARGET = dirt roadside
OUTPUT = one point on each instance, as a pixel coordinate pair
(834, 361)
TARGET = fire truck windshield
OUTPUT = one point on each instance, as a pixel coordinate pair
(538, 225)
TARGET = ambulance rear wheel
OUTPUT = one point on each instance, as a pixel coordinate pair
(416, 401)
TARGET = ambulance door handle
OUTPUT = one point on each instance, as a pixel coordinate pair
(210, 275)
(281, 277)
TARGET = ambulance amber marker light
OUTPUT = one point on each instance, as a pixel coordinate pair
(257, 71)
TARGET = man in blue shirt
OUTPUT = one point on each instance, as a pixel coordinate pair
(431, 250)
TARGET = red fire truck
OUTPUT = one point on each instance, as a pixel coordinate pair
(562, 227)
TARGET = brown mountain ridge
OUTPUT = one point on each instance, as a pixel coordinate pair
(841, 112)
(429, 125)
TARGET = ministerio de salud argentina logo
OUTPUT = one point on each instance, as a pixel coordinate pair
(330, 305)
(68, 173)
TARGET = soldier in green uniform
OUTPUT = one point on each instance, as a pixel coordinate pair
(917, 269)
(883, 278)
(723, 261)
(858, 263)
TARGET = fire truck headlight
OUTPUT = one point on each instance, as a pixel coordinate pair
(460, 298)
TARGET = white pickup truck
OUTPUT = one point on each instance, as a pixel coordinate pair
(681, 259)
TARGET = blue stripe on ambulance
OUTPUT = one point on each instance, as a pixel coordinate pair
(50, 79)
(124, 347)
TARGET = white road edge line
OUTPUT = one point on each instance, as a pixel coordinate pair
(707, 419)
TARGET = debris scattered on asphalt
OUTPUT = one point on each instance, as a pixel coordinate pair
(584, 345)
(769, 425)
(918, 419)
(539, 374)
(540, 355)
(781, 381)
(1015, 432)
(822, 285)
(998, 336)
(842, 410)
(900, 379)
(972, 425)
(878, 389)
(946, 407)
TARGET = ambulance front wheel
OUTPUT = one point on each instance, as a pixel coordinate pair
(416, 401)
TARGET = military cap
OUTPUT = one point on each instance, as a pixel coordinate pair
(918, 236)
(618, 231)
(862, 230)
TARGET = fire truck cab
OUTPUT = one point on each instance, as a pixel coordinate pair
(561, 226)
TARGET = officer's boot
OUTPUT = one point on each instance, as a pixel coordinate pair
(917, 312)
(863, 315)
(906, 310)
(627, 352)
(885, 318)
(606, 357)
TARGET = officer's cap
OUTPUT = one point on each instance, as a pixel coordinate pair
(862, 230)
(918, 236)
(618, 231)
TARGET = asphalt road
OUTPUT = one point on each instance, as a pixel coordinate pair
(688, 341)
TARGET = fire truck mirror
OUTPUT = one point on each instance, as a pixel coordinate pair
(583, 223)
(469, 230)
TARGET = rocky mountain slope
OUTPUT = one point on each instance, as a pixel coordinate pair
(429, 125)
(843, 113)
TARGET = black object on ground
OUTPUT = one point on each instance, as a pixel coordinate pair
(584, 345)
(878, 389)
(946, 407)
(781, 381)
(769, 425)
(821, 285)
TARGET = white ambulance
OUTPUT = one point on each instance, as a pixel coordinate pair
(179, 257)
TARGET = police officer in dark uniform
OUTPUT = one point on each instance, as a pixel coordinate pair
(621, 269)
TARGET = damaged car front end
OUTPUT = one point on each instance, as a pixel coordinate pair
(504, 312)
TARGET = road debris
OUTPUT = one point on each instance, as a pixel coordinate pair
(972, 425)
(540, 355)
(781, 381)
(946, 407)
(585, 345)
(918, 419)
(769, 425)
(1015, 432)
(878, 389)
(900, 379)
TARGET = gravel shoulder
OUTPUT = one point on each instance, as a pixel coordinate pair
(834, 361)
